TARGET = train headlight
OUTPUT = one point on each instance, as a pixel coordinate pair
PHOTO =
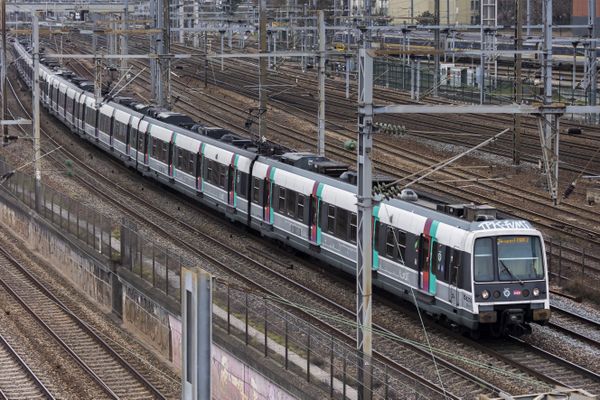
(536, 292)
(485, 295)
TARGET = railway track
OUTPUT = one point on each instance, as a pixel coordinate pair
(406, 356)
(577, 326)
(17, 380)
(548, 366)
(247, 270)
(114, 377)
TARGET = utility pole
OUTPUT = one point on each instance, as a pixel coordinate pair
(482, 56)
(262, 66)
(436, 56)
(518, 81)
(36, 111)
(205, 59)
(364, 262)
(321, 121)
(125, 38)
(549, 133)
(4, 60)
(154, 45)
(164, 63)
(592, 58)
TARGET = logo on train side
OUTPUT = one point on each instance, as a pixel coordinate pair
(506, 292)
(504, 224)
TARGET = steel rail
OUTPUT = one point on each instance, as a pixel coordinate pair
(79, 322)
(194, 249)
(37, 382)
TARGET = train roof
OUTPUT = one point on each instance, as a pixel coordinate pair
(442, 214)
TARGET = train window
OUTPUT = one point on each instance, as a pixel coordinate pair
(301, 199)
(390, 243)
(450, 257)
(104, 124)
(330, 219)
(281, 201)
(341, 223)
(290, 200)
(255, 189)
(222, 175)
(120, 131)
(241, 184)
(519, 257)
(165, 152)
(400, 244)
(140, 140)
(90, 116)
(439, 260)
(184, 161)
(352, 238)
(209, 173)
(483, 260)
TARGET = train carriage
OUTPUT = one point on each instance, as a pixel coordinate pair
(473, 271)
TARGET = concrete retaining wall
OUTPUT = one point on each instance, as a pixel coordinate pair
(238, 372)
(87, 271)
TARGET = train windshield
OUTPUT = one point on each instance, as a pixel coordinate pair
(508, 258)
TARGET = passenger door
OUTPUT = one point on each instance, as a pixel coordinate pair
(267, 200)
(424, 262)
(231, 185)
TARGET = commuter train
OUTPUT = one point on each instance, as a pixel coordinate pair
(459, 263)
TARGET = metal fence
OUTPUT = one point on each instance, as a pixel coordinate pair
(395, 73)
(97, 231)
(304, 349)
(575, 268)
(154, 263)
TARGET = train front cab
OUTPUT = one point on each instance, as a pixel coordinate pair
(510, 285)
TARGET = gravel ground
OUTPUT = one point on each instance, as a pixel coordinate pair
(316, 278)
(62, 368)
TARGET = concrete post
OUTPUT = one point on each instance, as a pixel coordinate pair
(36, 112)
(196, 316)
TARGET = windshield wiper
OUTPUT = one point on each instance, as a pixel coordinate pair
(510, 272)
